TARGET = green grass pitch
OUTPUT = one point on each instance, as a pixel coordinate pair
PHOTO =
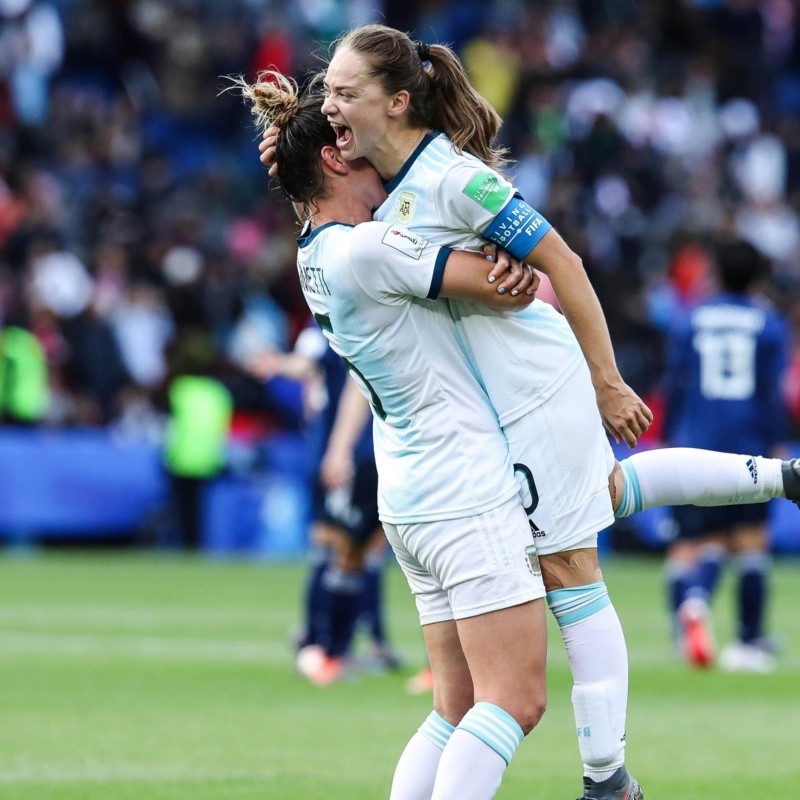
(146, 677)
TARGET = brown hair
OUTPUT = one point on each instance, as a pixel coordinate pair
(441, 96)
(304, 131)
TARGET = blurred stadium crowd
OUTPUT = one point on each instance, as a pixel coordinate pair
(138, 232)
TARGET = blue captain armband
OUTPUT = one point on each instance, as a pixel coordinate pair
(518, 228)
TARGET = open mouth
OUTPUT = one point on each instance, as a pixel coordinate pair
(343, 136)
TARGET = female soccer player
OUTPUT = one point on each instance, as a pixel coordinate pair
(409, 109)
(447, 494)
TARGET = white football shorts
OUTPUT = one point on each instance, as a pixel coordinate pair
(564, 445)
(459, 568)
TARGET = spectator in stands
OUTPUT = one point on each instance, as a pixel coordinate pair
(347, 543)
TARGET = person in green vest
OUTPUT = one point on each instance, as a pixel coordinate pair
(200, 412)
(24, 392)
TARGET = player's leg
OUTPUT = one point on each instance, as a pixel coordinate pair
(482, 564)
(345, 582)
(675, 476)
(598, 658)
(333, 610)
(751, 652)
(370, 531)
(415, 772)
(711, 559)
(313, 601)
(563, 444)
(689, 588)
(506, 653)
(372, 615)
(351, 518)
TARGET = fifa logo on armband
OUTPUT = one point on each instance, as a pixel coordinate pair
(405, 207)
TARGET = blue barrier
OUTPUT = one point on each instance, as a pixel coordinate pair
(265, 516)
(93, 483)
(69, 482)
(86, 483)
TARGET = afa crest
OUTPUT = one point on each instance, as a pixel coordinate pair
(405, 207)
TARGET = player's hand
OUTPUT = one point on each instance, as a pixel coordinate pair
(268, 147)
(625, 415)
(336, 469)
(510, 275)
(265, 364)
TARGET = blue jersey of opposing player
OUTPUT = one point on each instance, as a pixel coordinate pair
(725, 363)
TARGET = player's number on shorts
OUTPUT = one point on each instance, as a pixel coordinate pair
(727, 364)
(324, 321)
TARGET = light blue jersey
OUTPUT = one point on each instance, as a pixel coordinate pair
(453, 199)
(432, 423)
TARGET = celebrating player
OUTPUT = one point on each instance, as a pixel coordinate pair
(387, 97)
(464, 544)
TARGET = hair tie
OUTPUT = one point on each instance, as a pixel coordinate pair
(423, 51)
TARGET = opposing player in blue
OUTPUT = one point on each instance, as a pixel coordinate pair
(346, 540)
(725, 362)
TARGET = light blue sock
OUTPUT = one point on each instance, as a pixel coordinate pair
(437, 729)
(631, 502)
(578, 603)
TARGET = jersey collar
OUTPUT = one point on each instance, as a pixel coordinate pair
(391, 185)
(306, 235)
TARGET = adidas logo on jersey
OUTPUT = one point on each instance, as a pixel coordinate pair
(753, 469)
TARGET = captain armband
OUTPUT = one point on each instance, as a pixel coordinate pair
(517, 228)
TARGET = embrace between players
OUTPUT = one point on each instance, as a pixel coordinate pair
(489, 406)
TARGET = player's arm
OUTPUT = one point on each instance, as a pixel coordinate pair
(465, 278)
(624, 413)
(482, 200)
(270, 363)
(352, 415)
(392, 264)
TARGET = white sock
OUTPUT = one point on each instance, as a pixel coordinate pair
(415, 772)
(477, 754)
(598, 658)
(679, 476)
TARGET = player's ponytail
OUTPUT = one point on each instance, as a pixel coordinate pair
(441, 97)
(276, 100)
(467, 117)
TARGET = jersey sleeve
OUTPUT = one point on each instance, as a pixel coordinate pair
(474, 197)
(391, 263)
